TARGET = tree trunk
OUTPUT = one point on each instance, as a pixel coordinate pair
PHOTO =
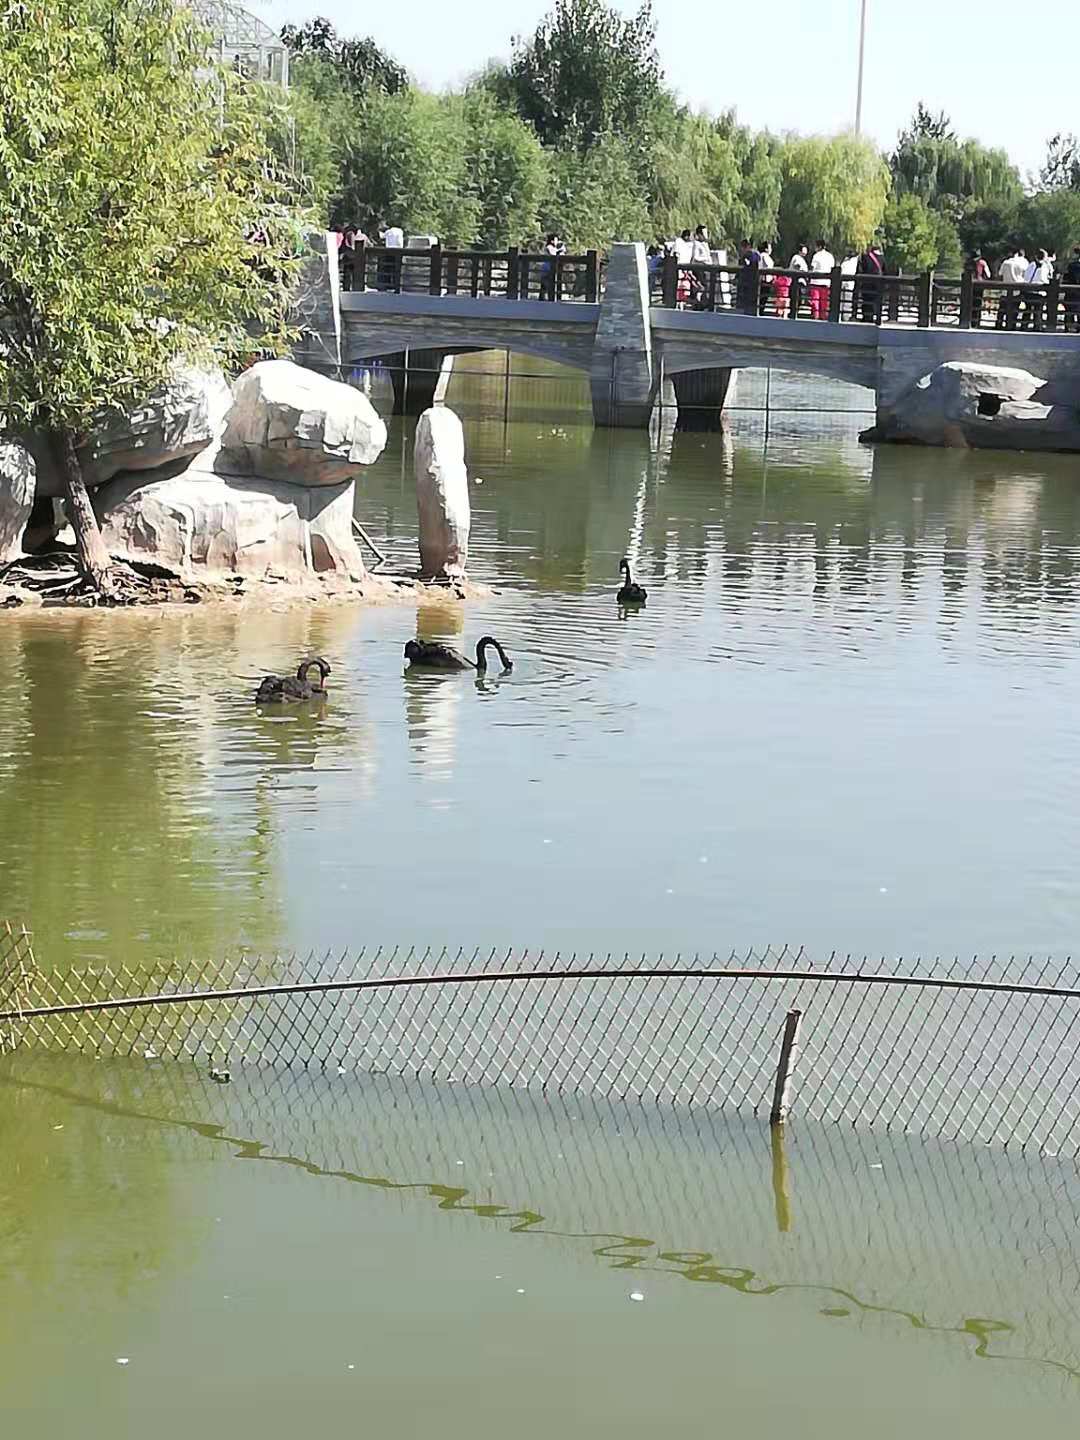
(93, 556)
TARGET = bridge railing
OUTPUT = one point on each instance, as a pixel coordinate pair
(512, 274)
(922, 301)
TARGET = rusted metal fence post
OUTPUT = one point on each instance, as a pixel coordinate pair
(788, 1050)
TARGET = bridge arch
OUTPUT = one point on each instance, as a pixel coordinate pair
(824, 363)
(366, 335)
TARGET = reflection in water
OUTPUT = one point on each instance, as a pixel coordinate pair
(961, 1245)
(433, 698)
(845, 719)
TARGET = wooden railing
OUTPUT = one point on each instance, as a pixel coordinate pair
(924, 301)
(480, 274)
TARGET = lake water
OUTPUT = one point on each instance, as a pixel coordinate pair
(846, 719)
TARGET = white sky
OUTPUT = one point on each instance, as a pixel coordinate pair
(778, 67)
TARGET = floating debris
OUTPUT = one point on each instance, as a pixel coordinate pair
(220, 1077)
(636, 1296)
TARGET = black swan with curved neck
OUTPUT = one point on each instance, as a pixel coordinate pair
(434, 656)
(283, 690)
(630, 594)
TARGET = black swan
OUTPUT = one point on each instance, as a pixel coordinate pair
(630, 594)
(444, 657)
(276, 690)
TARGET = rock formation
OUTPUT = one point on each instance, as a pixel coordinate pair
(442, 494)
(17, 488)
(290, 424)
(982, 406)
(273, 495)
(174, 425)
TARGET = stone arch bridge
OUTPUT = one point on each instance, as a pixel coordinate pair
(627, 346)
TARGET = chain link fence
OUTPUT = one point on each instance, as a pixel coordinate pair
(977, 1050)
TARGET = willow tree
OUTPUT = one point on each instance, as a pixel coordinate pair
(141, 221)
(833, 188)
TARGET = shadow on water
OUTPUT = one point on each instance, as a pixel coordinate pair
(868, 1229)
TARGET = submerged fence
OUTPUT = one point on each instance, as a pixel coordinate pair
(968, 1050)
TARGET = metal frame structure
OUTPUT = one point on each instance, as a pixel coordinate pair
(244, 41)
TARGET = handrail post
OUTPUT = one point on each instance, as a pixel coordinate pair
(435, 286)
(592, 276)
(926, 299)
(789, 1046)
(360, 267)
(671, 282)
(967, 299)
(1053, 303)
(513, 262)
(836, 294)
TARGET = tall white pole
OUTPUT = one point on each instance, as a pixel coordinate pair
(862, 66)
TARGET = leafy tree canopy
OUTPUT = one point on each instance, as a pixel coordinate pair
(910, 234)
(929, 161)
(132, 184)
(586, 72)
(1052, 221)
(360, 61)
(834, 188)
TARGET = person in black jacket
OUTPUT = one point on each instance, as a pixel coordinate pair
(871, 267)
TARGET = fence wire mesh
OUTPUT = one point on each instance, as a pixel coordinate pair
(968, 1049)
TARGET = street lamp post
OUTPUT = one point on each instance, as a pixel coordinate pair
(862, 65)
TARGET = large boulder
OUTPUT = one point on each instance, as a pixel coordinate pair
(442, 493)
(173, 425)
(287, 423)
(983, 406)
(17, 487)
(199, 525)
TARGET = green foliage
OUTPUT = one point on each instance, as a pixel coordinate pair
(360, 62)
(586, 72)
(756, 210)
(910, 234)
(405, 163)
(950, 252)
(836, 188)
(929, 161)
(991, 228)
(129, 181)
(1051, 221)
(507, 171)
(925, 125)
(596, 198)
(308, 130)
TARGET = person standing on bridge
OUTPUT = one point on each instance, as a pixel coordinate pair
(549, 270)
(801, 265)
(870, 269)
(822, 265)
(749, 266)
(1039, 273)
(1013, 271)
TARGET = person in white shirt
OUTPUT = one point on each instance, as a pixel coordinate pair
(701, 250)
(684, 249)
(822, 264)
(1013, 271)
(393, 237)
(1039, 272)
